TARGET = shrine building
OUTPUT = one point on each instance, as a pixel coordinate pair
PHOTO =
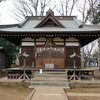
(50, 40)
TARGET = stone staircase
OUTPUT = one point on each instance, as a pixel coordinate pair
(50, 78)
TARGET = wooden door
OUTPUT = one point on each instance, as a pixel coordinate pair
(53, 55)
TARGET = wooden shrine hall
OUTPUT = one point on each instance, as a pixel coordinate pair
(50, 40)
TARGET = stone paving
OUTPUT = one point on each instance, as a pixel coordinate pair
(49, 93)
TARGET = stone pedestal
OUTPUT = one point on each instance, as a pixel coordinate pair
(49, 66)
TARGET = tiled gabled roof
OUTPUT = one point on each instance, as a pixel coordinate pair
(49, 19)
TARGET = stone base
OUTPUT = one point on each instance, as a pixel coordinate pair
(49, 66)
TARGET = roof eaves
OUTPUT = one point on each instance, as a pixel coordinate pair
(8, 26)
(92, 26)
(43, 31)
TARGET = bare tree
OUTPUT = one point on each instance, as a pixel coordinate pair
(34, 4)
(23, 8)
(91, 5)
(61, 8)
(91, 9)
(88, 50)
(95, 56)
(66, 7)
(87, 9)
(72, 6)
(1, 0)
(44, 4)
(82, 9)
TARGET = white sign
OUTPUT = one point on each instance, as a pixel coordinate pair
(40, 71)
(28, 44)
(71, 44)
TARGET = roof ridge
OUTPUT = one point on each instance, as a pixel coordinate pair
(80, 24)
(21, 24)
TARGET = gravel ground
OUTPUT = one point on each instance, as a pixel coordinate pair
(13, 93)
(83, 90)
(84, 98)
(97, 74)
(20, 93)
(85, 93)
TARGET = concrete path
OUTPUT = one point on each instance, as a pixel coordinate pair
(49, 93)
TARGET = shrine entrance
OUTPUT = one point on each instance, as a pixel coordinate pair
(52, 55)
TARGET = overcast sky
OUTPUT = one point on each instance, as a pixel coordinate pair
(5, 12)
(6, 6)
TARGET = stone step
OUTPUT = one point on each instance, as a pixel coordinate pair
(51, 69)
(49, 72)
(49, 83)
(50, 75)
(49, 79)
(55, 70)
